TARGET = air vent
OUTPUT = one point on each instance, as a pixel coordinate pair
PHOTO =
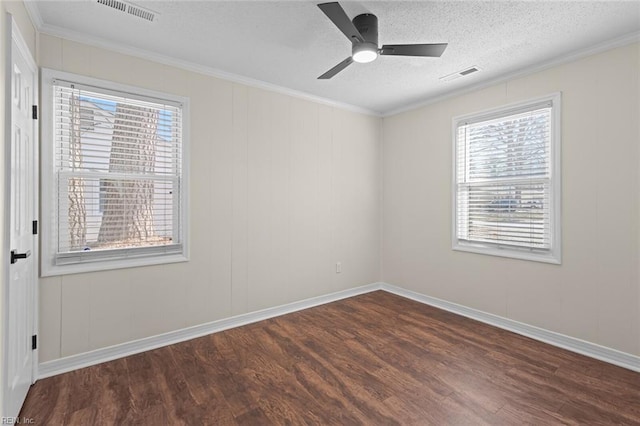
(459, 74)
(469, 71)
(140, 12)
(114, 4)
(130, 9)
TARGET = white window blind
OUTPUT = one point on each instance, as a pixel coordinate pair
(504, 171)
(117, 167)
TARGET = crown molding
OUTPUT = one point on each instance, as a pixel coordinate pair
(34, 14)
(193, 67)
(251, 82)
(522, 72)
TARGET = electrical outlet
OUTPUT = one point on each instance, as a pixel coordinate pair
(338, 267)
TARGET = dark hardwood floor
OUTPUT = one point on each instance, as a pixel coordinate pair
(374, 359)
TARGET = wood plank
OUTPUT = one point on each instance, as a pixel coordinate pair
(376, 358)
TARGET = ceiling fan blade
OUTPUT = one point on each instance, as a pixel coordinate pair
(336, 13)
(431, 50)
(335, 70)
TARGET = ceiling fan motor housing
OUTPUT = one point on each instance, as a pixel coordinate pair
(367, 25)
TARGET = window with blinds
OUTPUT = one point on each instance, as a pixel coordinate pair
(507, 181)
(116, 175)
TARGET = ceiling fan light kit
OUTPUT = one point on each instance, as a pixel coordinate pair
(364, 53)
(363, 34)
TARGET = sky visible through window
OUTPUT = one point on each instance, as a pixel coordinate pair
(165, 118)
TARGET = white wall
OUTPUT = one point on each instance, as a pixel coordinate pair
(595, 294)
(21, 18)
(281, 189)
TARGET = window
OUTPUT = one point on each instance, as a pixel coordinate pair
(113, 162)
(87, 120)
(507, 181)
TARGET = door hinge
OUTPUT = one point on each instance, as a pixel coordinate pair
(34, 227)
(34, 112)
(34, 342)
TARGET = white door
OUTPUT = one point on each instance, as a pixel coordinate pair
(20, 302)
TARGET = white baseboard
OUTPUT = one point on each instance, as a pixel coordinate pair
(573, 344)
(98, 356)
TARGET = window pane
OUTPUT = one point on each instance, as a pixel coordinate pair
(515, 215)
(105, 213)
(509, 147)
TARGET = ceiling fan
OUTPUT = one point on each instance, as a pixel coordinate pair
(363, 34)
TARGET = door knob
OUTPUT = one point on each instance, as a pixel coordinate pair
(15, 256)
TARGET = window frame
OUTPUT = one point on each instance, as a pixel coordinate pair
(554, 254)
(129, 257)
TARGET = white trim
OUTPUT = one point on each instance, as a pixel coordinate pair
(98, 356)
(50, 270)
(74, 362)
(48, 266)
(36, 205)
(583, 53)
(34, 13)
(120, 88)
(506, 251)
(194, 67)
(6, 244)
(22, 46)
(592, 350)
(554, 255)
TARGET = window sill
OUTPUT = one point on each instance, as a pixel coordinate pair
(106, 265)
(553, 258)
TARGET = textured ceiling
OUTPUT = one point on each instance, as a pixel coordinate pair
(290, 43)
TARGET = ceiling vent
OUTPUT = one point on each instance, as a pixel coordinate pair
(130, 8)
(118, 5)
(459, 74)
